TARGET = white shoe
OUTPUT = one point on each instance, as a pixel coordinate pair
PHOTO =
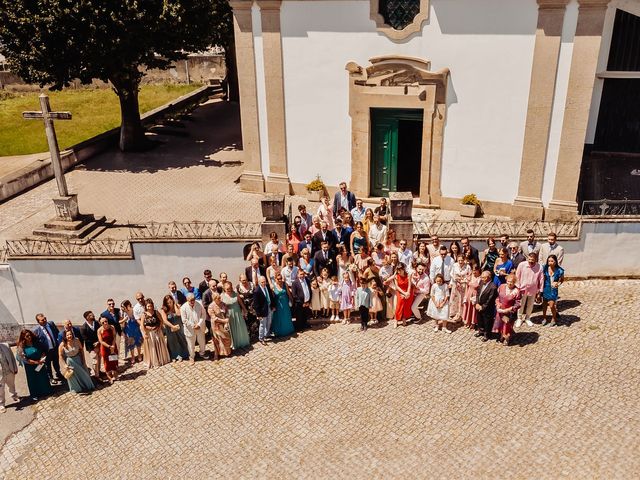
(518, 323)
(447, 330)
(2, 409)
(529, 322)
(435, 329)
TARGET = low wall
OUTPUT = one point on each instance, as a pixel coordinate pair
(66, 288)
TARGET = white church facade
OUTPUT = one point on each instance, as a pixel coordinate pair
(501, 98)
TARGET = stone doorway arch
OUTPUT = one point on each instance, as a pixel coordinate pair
(402, 82)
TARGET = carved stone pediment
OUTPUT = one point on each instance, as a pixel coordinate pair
(398, 71)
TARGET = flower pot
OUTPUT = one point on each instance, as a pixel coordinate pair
(470, 211)
(314, 195)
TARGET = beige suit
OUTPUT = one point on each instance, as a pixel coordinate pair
(8, 370)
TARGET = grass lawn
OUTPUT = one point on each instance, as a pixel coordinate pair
(94, 111)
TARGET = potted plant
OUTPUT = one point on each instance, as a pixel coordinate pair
(470, 206)
(316, 189)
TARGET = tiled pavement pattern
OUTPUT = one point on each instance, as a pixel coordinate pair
(338, 403)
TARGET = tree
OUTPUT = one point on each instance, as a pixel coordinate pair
(53, 42)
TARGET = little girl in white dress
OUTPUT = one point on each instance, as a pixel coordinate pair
(439, 304)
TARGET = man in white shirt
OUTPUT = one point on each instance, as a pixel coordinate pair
(442, 264)
(422, 287)
(551, 248)
(404, 254)
(289, 272)
(377, 232)
(193, 318)
(358, 212)
(138, 308)
(434, 247)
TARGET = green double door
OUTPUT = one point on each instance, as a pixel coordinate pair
(396, 145)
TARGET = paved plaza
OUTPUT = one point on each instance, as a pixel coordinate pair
(335, 402)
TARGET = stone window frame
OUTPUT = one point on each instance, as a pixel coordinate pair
(391, 32)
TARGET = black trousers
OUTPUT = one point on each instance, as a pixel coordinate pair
(485, 321)
(364, 316)
(302, 315)
(53, 359)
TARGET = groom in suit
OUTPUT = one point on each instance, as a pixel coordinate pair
(264, 303)
(486, 305)
(47, 334)
(301, 292)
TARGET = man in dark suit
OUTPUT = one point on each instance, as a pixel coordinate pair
(469, 251)
(177, 295)
(204, 284)
(68, 326)
(515, 255)
(254, 271)
(307, 243)
(264, 304)
(113, 315)
(324, 235)
(301, 292)
(324, 259)
(486, 305)
(343, 199)
(342, 235)
(89, 332)
(47, 334)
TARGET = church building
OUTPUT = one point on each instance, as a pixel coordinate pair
(533, 105)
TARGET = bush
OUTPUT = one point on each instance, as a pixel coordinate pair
(316, 185)
(471, 199)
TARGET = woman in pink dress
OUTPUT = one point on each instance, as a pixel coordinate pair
(469, 312)
(459, 280)
(507, 305)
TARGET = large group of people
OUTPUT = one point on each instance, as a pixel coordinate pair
(341, 264)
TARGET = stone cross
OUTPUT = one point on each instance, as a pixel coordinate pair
(66, 205)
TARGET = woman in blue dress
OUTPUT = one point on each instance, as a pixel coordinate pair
(553, 278)
(176, 341)
(359, 239)
(32, 358)
(306, 262)
(502, 267)
(132, 332)
(71, 354)
(281, 323)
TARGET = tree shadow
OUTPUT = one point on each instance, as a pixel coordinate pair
(213, 130)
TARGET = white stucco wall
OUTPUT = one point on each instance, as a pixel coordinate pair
(67, 288)
(487, 45)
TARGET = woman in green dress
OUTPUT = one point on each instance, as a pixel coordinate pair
(32, 358)
(236, 311)
(281, 323)
(176, 341)
(71, 354)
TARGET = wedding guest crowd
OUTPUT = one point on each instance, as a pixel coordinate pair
(341, 264)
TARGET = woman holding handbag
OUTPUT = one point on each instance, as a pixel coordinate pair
(108, 348)
(72, 357)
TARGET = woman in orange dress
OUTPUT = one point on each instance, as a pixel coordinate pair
(404, 295)
(221, 336)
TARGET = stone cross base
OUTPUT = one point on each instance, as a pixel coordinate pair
(404, 231)
(66, 207)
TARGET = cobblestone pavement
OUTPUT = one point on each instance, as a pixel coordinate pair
(338, 403)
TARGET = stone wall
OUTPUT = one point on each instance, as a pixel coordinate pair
(201, 69)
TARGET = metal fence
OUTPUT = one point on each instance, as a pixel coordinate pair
(610, 208)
